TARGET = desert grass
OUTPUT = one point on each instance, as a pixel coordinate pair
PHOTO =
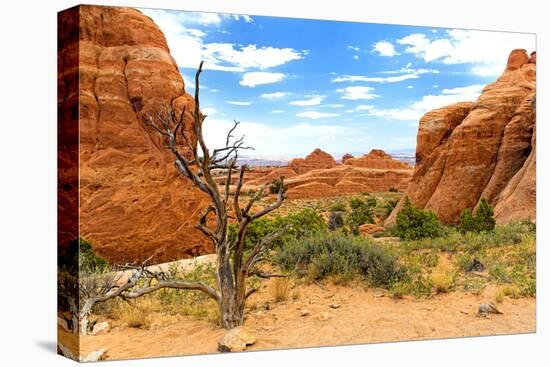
(280, 288)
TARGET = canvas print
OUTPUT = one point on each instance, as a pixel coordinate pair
(235, 183)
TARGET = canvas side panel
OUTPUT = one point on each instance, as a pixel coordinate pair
(67, 181)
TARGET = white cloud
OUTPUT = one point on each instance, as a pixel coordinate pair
(355, 57)
(316, 115)
(409, 87)
(250, 56)
(357, 92)
(354, 48)
(385, 48)
(239, 103)
(274, 95)
(284, 141)
(487, 51)
(363, 107)
(277, 111)
(188, 47)
(313, 100)
(245, 18)
(208, 111)
(414, 111)
(333, 105)
(255, 78)
(406, 73)
(214, 90)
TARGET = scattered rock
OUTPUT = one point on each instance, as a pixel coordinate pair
(304, 312)
(368, 228)
(476, 265)
(236, 340)
(63, 323)
(324, 316)
(100, 327)
(487, 308)
(334, 305)
(92, 357)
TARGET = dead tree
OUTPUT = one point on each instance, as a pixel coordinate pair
(233, 267)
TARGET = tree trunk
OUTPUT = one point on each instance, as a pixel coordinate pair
(231, 308)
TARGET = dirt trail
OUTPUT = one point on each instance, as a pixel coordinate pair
(363, 316)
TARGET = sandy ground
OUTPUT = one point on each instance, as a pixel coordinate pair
(363, 316)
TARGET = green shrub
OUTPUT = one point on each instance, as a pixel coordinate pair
(276, 184)
(393, 189)
(413, 223)
(361, 212)
(342, 256)
(482, 220)
(303, 223)
(338, 207)
(388, 207)
(335, 220)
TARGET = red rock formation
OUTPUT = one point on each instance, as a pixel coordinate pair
(378, 159)
(315, 160)
(486, 149)
(346, 179)
(132, 201)
(517, 58)
(346, 156)
(533, 57)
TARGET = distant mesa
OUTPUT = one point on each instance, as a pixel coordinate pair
(319, 176)
(315, 160)
(483, 149)
(377, 159)
(346, 156)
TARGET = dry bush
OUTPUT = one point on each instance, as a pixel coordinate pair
(280, 288)
(442, 281)
(499, 296)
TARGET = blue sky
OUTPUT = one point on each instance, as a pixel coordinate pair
(298, 84)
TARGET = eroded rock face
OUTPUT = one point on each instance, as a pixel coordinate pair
(346, 156)
(315, 160)
(345, 179)
(378, 159)
(133, 203)
(483, 149)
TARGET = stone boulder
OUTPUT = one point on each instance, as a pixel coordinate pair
(369, 229)
(236, 340)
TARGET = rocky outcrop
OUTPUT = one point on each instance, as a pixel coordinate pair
(533, 57)
(378, 159)
(132, 201)
(482, 149)
(315, 160)
(346, 179)
(346, 156)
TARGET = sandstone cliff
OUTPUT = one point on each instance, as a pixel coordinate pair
(482, 149)
(132, 201)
